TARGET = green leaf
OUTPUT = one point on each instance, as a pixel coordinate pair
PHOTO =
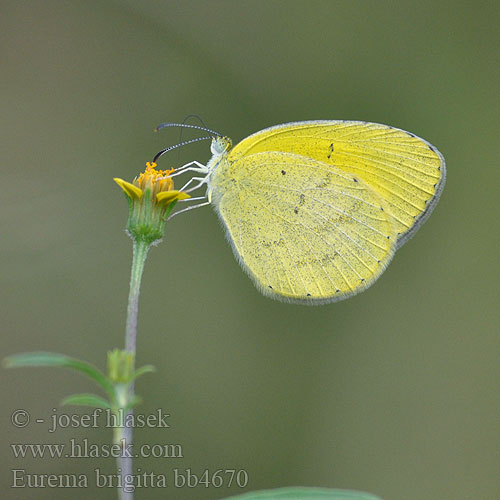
(144, 369)
(86, 400)
(60, 360)
(299, 493)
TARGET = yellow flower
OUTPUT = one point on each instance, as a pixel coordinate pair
(151, 196)
(157, 182)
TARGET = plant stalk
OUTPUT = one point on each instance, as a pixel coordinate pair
(140, 252)
(139, 258)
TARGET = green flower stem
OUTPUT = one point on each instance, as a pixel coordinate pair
(139, 258)
(124, 434)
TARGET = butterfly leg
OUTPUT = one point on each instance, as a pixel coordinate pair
(200, 168)
(189, 208)
(201, 181)
(188, 167)
(192, 199)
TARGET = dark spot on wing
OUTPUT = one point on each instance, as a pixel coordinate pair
(296, 210)
(283, 172)
(431, 148)
(355, 180)
(330, 151)
(270, 287)
(308, 294)
(411, 135)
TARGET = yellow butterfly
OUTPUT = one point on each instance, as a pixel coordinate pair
(315, 210)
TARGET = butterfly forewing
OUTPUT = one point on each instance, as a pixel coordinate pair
(406, 171)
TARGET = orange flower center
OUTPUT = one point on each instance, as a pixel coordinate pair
(156, 180)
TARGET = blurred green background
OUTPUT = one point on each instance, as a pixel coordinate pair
(395, 391)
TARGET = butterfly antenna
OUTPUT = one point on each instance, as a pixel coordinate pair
(175, 146)
(192, 115)
(198, 117)
(186, 125)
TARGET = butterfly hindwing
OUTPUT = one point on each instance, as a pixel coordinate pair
(304, 230)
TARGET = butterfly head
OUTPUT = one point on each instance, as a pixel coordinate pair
(220, 145)
(219, 149)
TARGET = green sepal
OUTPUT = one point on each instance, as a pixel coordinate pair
(86, 400)
(169, 209)
(304, 494)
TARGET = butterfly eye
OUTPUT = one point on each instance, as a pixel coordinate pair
(220, 145)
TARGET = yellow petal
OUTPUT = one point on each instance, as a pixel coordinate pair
(170, 196)
(130, 190)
